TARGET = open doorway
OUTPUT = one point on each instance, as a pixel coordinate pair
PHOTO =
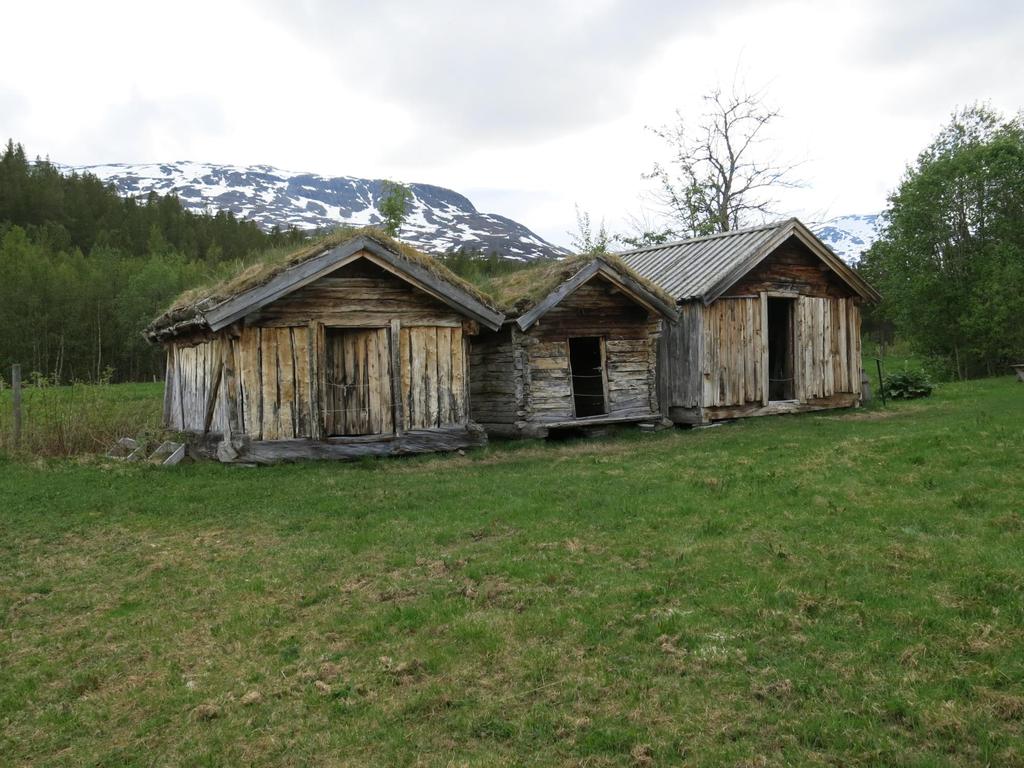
(586, 364)
(780, 349)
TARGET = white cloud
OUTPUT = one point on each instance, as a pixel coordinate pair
(528, 108)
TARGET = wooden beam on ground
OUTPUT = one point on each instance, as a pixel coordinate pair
(343, 449)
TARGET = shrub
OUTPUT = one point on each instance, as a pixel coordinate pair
(907, 385)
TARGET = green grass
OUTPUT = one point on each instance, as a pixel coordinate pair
(838, 589)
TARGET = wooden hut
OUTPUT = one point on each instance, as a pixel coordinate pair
(769, 322)
(353, 346)
(578, 349)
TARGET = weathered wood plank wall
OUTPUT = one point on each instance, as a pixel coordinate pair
(319, 362)
(358, 294)
(434, 374)
(828, 342)
(680, 382)
(522, 378)
(192, 373)
(827, 353)
(732, 352)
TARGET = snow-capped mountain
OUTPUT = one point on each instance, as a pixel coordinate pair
(439, 220)
(849, 236)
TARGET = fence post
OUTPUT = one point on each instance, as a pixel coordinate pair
(16, 401)
(881, 380)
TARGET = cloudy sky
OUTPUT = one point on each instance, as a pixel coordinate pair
(529, 108)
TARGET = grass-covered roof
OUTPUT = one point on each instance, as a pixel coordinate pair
(187, 310)
(520, 291)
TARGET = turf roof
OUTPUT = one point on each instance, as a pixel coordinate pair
(187, 310)
(520, 291)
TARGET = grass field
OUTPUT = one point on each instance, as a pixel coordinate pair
(838, 589)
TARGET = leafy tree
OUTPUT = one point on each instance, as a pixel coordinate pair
(950, 262)
(645, 231)
(719, 177)
(394, 205)
(83, 270)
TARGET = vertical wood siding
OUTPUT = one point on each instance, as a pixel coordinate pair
(828, 344)
(680, 383)
(274, 383)
(826, 356)
(433, 380)
(192, 375)
(732, 355)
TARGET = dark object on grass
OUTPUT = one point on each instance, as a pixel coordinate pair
(907, 385)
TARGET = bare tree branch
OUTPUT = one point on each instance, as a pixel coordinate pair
(716, 180)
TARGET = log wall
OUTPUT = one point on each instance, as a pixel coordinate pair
(523, 379)
(496, 380)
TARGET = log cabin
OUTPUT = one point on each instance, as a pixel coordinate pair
(769, 322)
(356, 345)
(577, 351)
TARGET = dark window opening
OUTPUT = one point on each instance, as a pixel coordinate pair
(780, 349)
(587, 371)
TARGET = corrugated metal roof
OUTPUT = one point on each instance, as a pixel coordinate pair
(690, 269)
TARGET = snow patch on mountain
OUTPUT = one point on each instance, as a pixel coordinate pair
(439, 220)
(850, 236)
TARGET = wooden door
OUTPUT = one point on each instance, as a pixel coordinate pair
(357, 378)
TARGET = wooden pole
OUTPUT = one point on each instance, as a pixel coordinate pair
(881, 381)
(16, 401)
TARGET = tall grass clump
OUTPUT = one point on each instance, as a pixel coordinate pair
(77, 419)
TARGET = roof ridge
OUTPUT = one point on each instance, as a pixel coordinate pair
(713, 236)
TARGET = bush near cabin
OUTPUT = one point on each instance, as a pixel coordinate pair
(907, 385)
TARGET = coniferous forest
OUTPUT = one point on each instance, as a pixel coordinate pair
(83, 270)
